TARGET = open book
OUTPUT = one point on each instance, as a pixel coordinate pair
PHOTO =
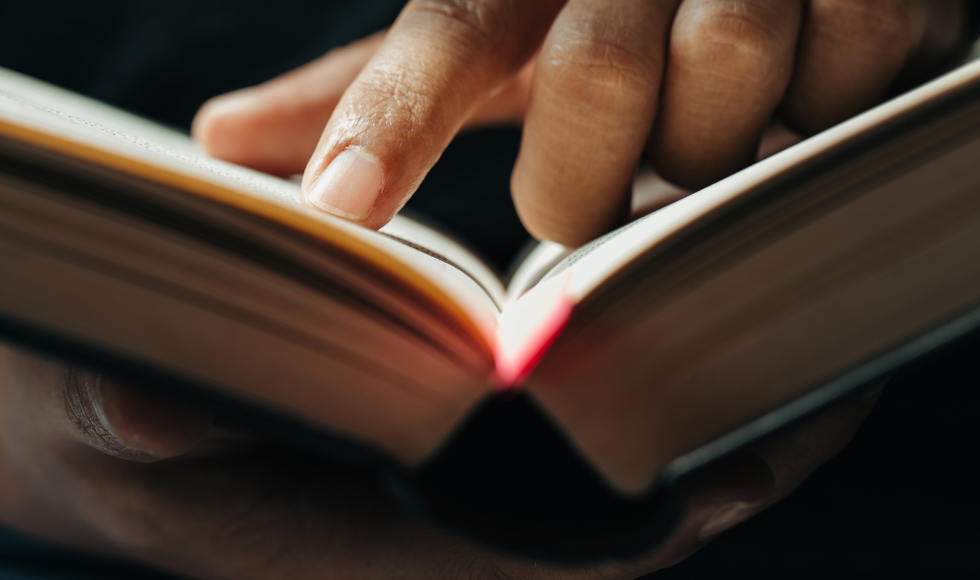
(647, 354)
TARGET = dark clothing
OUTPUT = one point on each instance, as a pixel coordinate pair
(900, 502)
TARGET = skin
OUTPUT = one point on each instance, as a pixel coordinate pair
(597, 85)
(103, 468)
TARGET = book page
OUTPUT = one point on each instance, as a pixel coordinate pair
(38, 114)
(442, 247)
(534, 267)
(598, 262)
(740, 297)
(139, 290)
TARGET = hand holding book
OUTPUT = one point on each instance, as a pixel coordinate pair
(86, 469)
(188, 272)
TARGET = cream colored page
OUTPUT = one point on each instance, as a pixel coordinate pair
(595, 263)
(448, 250)
(39, 105)
(837, 292)
(40, 93)
(199, 311)
(50, 117)
(534, 267)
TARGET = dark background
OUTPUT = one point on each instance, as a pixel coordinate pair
(902, 501)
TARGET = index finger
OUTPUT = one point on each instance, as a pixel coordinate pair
(440, 61)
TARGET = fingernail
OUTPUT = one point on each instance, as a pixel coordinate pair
(348, 187)
(728, 516)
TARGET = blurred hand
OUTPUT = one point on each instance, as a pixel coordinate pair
(596, 82)
(94, 465)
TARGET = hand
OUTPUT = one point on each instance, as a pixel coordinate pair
(691, 83)
(94, 465)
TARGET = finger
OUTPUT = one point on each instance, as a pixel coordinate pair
(127, 423)
(792, 457)
(67, 406)
(746, 482)
(729, 65)
(746, 479)
(724, 497)
(796, 454)
(439, 63)
(274, 127)
(850, 52)
(593, 101)
(142, 427)
(947, 34)
(507, 105)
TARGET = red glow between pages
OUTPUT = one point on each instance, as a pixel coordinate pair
(527, 328)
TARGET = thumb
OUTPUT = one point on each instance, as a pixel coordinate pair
(128, 423)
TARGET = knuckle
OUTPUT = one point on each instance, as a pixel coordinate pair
(399, 100)
(890, 26)
(733, 41)
(392, 100)
(603, 71)
(481, 23)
